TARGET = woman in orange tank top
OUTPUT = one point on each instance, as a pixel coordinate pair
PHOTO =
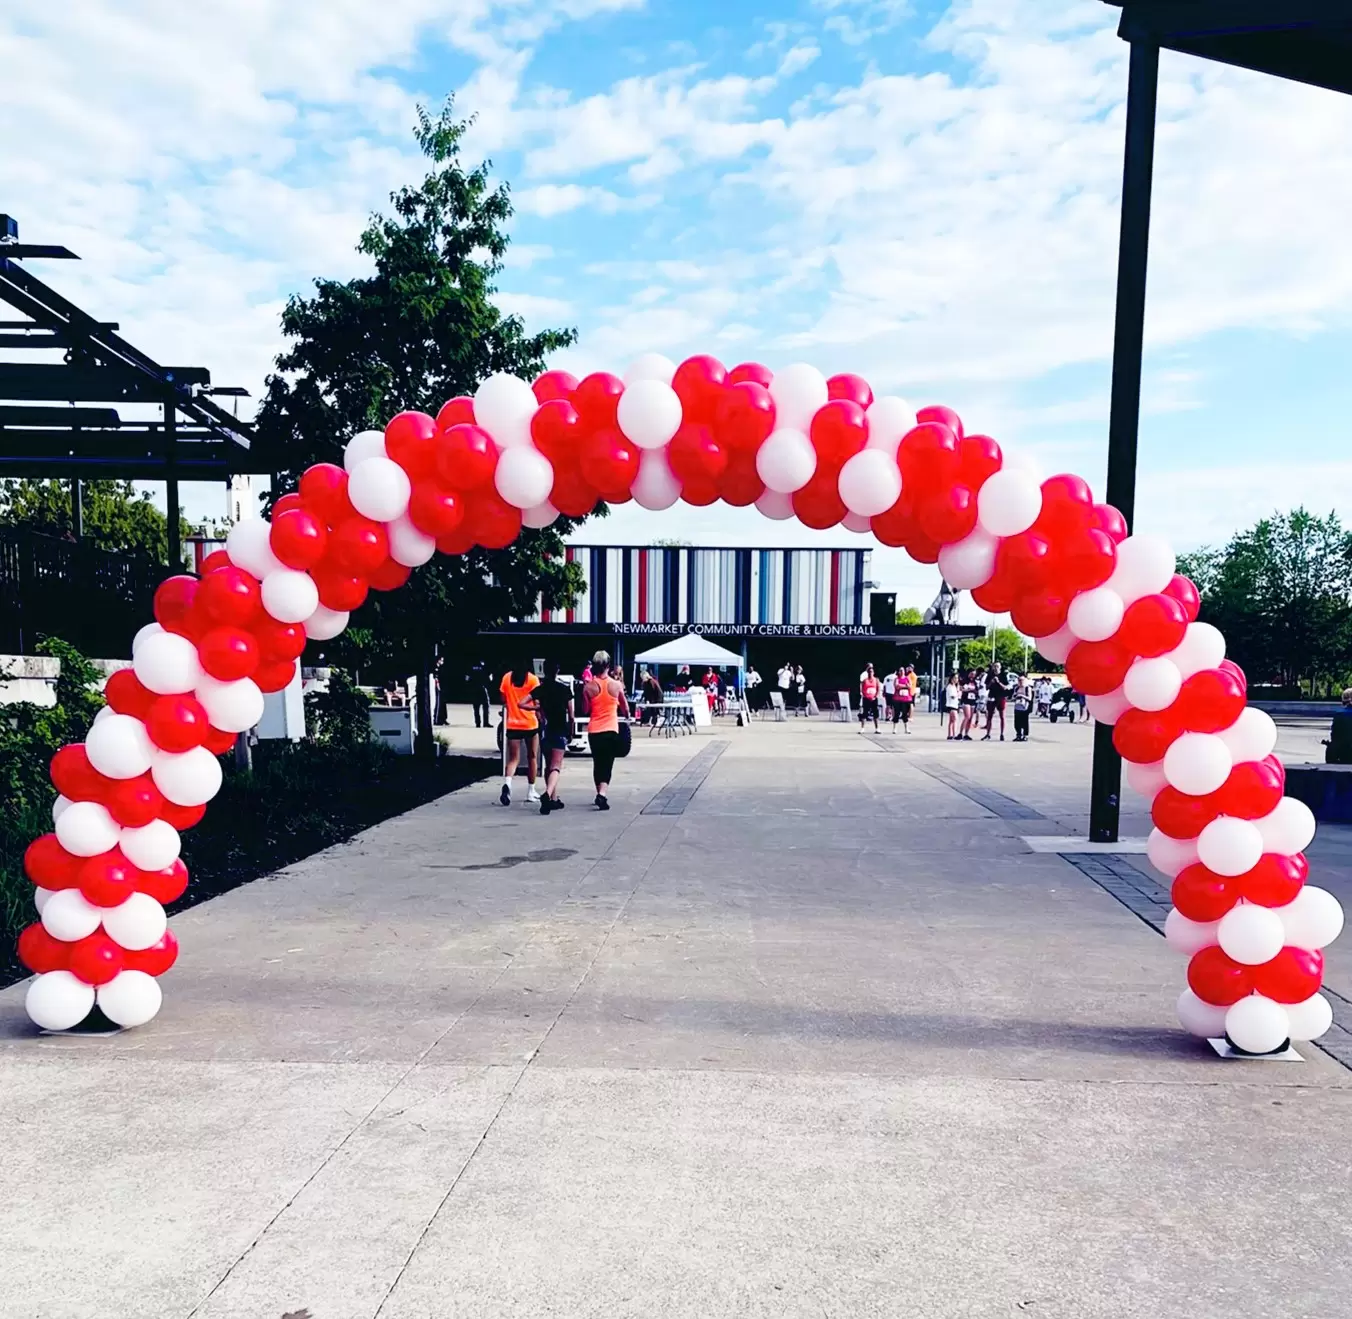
(604, 701)
(521, 729)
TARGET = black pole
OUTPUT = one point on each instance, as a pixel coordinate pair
(77, 507)
(1128, 342)
(171, 511)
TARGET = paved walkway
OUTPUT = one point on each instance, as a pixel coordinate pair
(822, 1038)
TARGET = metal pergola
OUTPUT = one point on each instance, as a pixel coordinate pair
(43, 433)
(1307, 41)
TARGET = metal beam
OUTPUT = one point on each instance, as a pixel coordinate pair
(171, 488)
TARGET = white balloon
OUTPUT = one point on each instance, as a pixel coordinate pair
(1200, 1018)
(854, 522)
(650, 366)
(69, 916)
(130, 998)
(410, 546)
(1095, 615)
(1144, 566)
(41, 896)
(1008, 502)
(151, 847)
(970, 563)
(870, 483)
(798, 391)
(889, 418)
(150, 630)
(363, 445)
(524, 477)
(786, 461)
(59, 807)
(249, 545)
(289, 596)
(119, 746)
(1310, 1019)
(59, 1000)
(1252, 736)
(1146, 780)
(504, 405)
(649, 413)
(136, 924)
(325, 623)
(655, 486)
(1202, 647)
(233, 707)
(1197, 763)
(1229, 846)
(379, 489)
(1288, 828)
(1314, 919)
(542, 515)
(1257, 1024)
(1170, 855)
(1186, 936)
(1152, 684)
(1251, 934)
(86, 829)
(1108, 708)
(167, 664)
(106, 713)
(187, 778)
(775, 505)
(1055, 647)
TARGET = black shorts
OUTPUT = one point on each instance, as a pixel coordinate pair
(869, 710)
(522, 734)
(555, 742)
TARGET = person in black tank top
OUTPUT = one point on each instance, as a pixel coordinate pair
(555, 698)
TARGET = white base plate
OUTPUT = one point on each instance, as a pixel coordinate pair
(1223, 1050)
(1046, 843)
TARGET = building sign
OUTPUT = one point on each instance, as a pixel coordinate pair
(741, 629)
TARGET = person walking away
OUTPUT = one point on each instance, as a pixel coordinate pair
(1339, 740)
(1023, 704)
(952, 700)
(889, 697)
(970, 692)
(869, 692)
(555, 699)
(521, 729)
(905, 700)
(997, 690)
(653, 698)
(604, 701)
(1082, 700)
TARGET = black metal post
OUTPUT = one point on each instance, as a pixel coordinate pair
(77, 507)
(171, 510)
(1128, 342)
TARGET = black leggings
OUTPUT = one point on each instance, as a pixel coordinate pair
(604, 748)
(1021, 723)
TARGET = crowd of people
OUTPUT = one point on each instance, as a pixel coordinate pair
(893, 695)
(972, 694)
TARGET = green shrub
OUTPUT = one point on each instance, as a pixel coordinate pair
(341, 716)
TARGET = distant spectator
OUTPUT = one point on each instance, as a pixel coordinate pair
(1339, 742)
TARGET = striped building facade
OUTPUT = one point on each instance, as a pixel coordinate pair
(661, 584)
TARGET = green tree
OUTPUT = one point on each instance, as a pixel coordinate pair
(910, 616)
(1010, 648)
(420, 329)
(116, 516)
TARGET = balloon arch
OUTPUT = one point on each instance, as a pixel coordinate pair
(792, 443)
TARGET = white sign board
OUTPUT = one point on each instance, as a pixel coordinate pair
(699, 707)
(393, 725)
(283, 713)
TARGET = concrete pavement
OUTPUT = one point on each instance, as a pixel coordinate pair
(831, 1040)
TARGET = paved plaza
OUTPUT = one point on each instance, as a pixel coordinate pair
(802, 1027)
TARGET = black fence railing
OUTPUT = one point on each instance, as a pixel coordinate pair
(95, 599)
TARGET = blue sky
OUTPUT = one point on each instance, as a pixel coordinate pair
(923, 192)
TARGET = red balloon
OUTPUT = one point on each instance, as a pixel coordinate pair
(459, 411)
(274, 675)
(174, 599)
(1066, 507)
(979, 457)
(553, 384)
(1153, 625)
(1275, 880)
(611, 463)
(229, 597)
(1143, 736)
(596, 400)
(165, 886)
(557, 430)
(924, 550)
(96, 959)
(1181, 816)
(1292, 976)
(930, 458)
(695, 456)
(700, 492)
(1040, 613)
(177, 723)
(216, 559)
(125, 694)
(948, 515)
(1229, 666)
(740, 485)
(746, 416)
(75, 777)
(390, 576)
(818, 504)
(279, 641)
(995, 596)
(156, 959)
(49, 865)
(185, 817)
(356, 547)
(409, 441)
(699, 383)
(228, 653)
(1182, 589)
(573, 495)
(338, 588)
(133, 803)
(1217, 979)
(284, 505)
(852, 387)
(494, 523)
(1105, 518)
(941, 416)
(1024, 562)
(1209, 701)
(897, 524)
(435, 510)
(108, 880)
(1202, 895)
(466, 457)
(40, 952)
(298, 538)
(751, 371)
(459, 541)
(218, 742)
(1087, 560)
(1098, 667)
(1253, 789)
(323, 487)
(838, 432)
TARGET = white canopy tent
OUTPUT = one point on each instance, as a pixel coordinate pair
(691, 649)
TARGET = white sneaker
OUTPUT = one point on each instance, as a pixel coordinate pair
(532, 796)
